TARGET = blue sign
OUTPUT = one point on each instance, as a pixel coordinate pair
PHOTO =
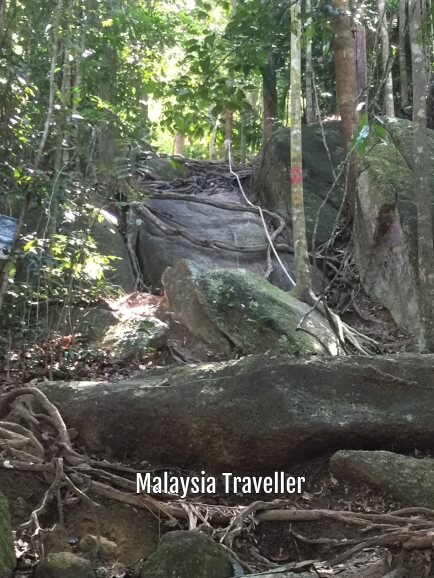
(8, 228)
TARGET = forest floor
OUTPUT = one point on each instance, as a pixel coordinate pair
(268, 544)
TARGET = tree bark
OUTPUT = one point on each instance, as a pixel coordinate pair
(346, 86)
(310, 107)
(61, 155)
(243, 138)
(179, 144)
(403, 76)
(229, 129)
(2, 22)
(389, 105)
(268, 72)
(303, 288)
(420, 68)
(361, 60)
(212, 141)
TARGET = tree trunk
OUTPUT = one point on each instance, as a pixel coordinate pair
(420, 67)
(361, 60)
(229, 129)
(269, 95)
(389, 106)
(212, 141)
(77, 91)
(303, 289)
(2, 22)
(243, 138)
(310, 108)
(61, 155)
(179, 144)
(403, 76)
(346, 86)
(229, 115)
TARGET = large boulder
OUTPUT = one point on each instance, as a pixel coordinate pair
(272, 182)
(188, 555)
(7, 551)
(209, 225)
(96, 230)
(110, 243)
(234, 309)
(161, 168)
(385, 225)
(409, 480)
(260, 413)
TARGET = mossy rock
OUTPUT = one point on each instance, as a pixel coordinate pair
(235, 309)
(64, 565)
(164, 168)
(131, 338)
(409, 480)
(385, 224)
(7, 551)
(187, 555)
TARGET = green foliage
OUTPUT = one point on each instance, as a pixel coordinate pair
(367, 131)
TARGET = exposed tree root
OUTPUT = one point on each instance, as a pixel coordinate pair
(24, 448)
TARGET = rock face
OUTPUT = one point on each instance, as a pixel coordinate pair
(110, 243)
(272, 181)
(64, 565)
(187, 555)
(7, 552)
(385, 233)
(209, 224)
(236, 309)
(409, 480)
(131, 338)
(162, 168)
(261, 413)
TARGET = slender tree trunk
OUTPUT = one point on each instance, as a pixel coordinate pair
(61, 155)
(310, 107)
(302, 290)
(52, 94)
(2, 22)
(269, 95)
(403, 76)
(243, 138)
(77, 91)
(422, 166)
(212, 148)
(361, 60)
(389, 106)
(229, 129)
(229, 115)
(346, 86)
(254, 100)
(179, 144)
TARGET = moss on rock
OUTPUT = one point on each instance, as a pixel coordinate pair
(234, 308)
(385, 224)
(187, 555)
(64, 565)
(407, 479)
